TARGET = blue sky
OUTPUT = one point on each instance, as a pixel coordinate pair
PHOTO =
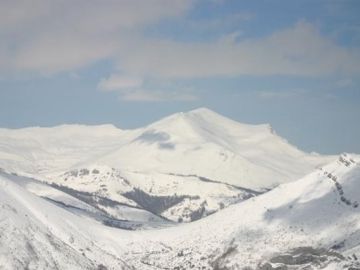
(293, 64)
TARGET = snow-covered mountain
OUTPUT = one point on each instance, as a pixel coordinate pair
(311, 223)
(207, 144)
(181, 168)
(97, 197)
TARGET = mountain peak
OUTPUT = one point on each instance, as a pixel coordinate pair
(204, 120)
(202, 110)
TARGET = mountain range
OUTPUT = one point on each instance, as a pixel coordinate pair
(194, 190)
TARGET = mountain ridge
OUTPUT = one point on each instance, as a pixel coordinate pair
(199, 159)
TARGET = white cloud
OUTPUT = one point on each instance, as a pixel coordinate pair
(299, 50)
(74, 75)
(233, 20)
(130, 88)
(54, 36)
(156, 96)
(119, 82)
(344, 83)
(281, 94)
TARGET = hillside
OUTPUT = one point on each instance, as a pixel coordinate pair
(312, 222)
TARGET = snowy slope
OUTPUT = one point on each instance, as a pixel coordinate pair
(37, 151)
(36, 234)
(318, 211)
(174, 197)
(97, 207)
(294, 225)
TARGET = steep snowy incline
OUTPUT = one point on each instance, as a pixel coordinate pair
(303, 219)
(121, 213)
(35, 234)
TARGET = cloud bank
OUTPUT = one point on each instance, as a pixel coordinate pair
(45, 37)
(54, 36)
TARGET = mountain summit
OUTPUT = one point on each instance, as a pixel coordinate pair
(204, 143)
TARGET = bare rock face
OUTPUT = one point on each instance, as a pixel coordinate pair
(309, 258)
